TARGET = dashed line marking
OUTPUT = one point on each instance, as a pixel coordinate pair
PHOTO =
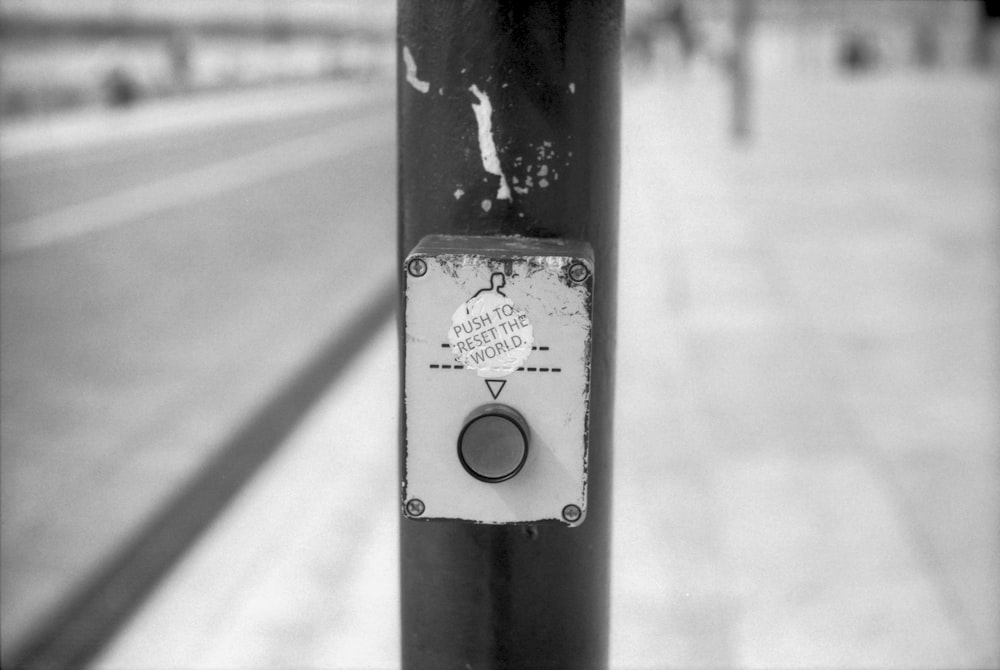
(448, 346)
(442, 366)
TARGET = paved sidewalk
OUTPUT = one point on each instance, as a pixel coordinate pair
(806, 464)
(808, 380)
(301, 570)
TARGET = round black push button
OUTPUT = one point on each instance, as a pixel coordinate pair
(493, 445)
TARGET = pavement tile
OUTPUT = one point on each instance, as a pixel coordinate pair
(823, 302)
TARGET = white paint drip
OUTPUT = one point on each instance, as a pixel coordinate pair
(487, 148)
(411, 72)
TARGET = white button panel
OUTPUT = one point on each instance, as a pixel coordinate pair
(497, 327)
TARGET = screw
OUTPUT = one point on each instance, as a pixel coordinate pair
(415, 507)
(571, 513)
(578, 272)
(417, 267)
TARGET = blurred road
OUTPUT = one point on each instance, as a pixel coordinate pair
(163, 272)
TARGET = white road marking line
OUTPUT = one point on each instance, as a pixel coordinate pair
(50, 137)
(145, 200)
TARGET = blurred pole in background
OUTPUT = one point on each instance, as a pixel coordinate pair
(743, 15)
(986, 25)
(514, 596)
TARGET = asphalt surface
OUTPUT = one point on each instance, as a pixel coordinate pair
(157, 289)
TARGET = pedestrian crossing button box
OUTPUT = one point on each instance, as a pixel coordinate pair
(497, 379)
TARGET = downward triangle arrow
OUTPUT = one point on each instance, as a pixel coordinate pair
(496, 386)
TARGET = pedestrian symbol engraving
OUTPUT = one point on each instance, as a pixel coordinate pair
(489, 334)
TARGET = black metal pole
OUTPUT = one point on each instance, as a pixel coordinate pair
(481, 596)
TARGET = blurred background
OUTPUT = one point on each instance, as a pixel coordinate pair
(197, 293)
